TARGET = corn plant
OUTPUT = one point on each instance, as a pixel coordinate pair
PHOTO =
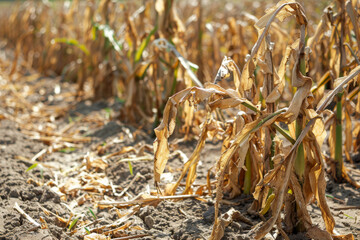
(250, 138)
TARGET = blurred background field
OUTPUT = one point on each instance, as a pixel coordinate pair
(106, 46)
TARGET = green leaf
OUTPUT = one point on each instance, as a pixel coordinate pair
(329, 196)
(193, 66)
(93, 32)
(73, 223)
(120, 100)
(131, 168)
(144, 44)
(348, 216)
(92, 213)
(73, 42)
(185, 63)
(87, 230)
(32, 167)
(67, 149)
(109, 34)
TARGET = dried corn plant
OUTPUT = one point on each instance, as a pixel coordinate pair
(252, 157)
(164, 50)
(337, 36)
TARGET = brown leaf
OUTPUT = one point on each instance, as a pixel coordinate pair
(344, 237)
(351, 12)
(280, 177)
(302, 213)
(190, 166)
(320, 29)
(95, 236)
(321, 187)
(224, 220)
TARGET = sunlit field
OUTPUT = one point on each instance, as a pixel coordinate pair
(180, 119)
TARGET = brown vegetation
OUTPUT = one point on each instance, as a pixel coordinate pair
(269, 89)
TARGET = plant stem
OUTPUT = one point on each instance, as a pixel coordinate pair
(338, 138)
(338, 116)
(247, 181)
(300, 156)
(270, 107)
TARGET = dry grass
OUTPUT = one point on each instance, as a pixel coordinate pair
(162, 60)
